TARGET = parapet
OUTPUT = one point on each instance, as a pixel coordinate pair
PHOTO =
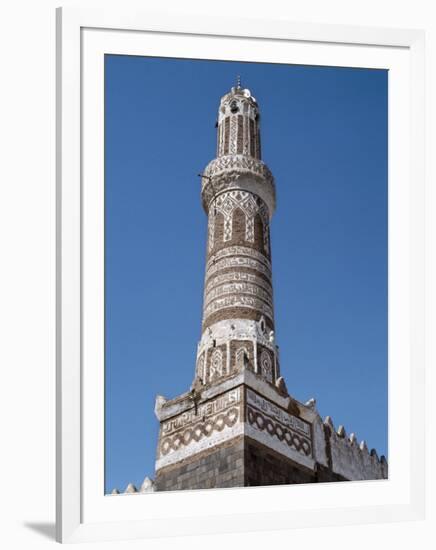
(349, 458)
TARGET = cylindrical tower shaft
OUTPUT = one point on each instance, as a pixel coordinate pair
(238, 196)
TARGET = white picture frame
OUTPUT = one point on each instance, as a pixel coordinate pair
(83, 512)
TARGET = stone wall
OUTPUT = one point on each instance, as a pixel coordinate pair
(242, 462)
(264, 466)
(222, 466)
(351, 459)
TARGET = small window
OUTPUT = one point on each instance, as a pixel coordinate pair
(234, 107)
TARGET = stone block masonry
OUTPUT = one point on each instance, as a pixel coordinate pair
(221, 466)
(242, 462)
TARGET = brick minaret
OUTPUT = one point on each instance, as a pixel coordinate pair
(238, 196)
(238, 425)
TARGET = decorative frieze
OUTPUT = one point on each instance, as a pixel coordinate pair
(193, 431)
(238, 251)
(238, 172)
(236, 329)
(238, 301)
(204, 411)
(238, 276)
(221, 418)
(238, 261)
(238, 163)
(238, 288)
(282, 429)
(276, 413)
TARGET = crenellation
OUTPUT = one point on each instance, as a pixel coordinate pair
(352, 460)
(131, 489)
(341, 431)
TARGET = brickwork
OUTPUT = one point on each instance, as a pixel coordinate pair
(239, 216)
(239, 198)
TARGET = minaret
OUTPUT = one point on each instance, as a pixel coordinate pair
(237, 425)
(238, 195)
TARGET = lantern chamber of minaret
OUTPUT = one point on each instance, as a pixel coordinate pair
(237, 425)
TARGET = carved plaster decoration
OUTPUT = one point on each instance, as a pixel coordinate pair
(238, 288)
(211, 230)
(239, 251)
(238, 172)
(263, 423)
(227, 203)
(233, 134)
(237, 162)
(238, 261)
(216, 364)
(238, 276)
(238, 301)
(192, 431)
(266, 366)
(234, 329)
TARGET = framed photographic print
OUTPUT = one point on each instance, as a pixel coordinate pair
(240, 269)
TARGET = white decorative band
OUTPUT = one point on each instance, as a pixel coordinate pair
(238, 276)
(238, 261)
(239, 251)
(278, 414)
(238, 162)
(238, 301)
(196, 430)
(226, 330)
(205, 410)
(238, 288)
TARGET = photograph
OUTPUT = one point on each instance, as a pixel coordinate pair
(245, 274)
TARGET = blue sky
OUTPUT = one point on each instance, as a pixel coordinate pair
(324, 137)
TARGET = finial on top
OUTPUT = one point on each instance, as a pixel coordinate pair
(238, 82)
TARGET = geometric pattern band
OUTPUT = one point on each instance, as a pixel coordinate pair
(200, 431)
(274, 429)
